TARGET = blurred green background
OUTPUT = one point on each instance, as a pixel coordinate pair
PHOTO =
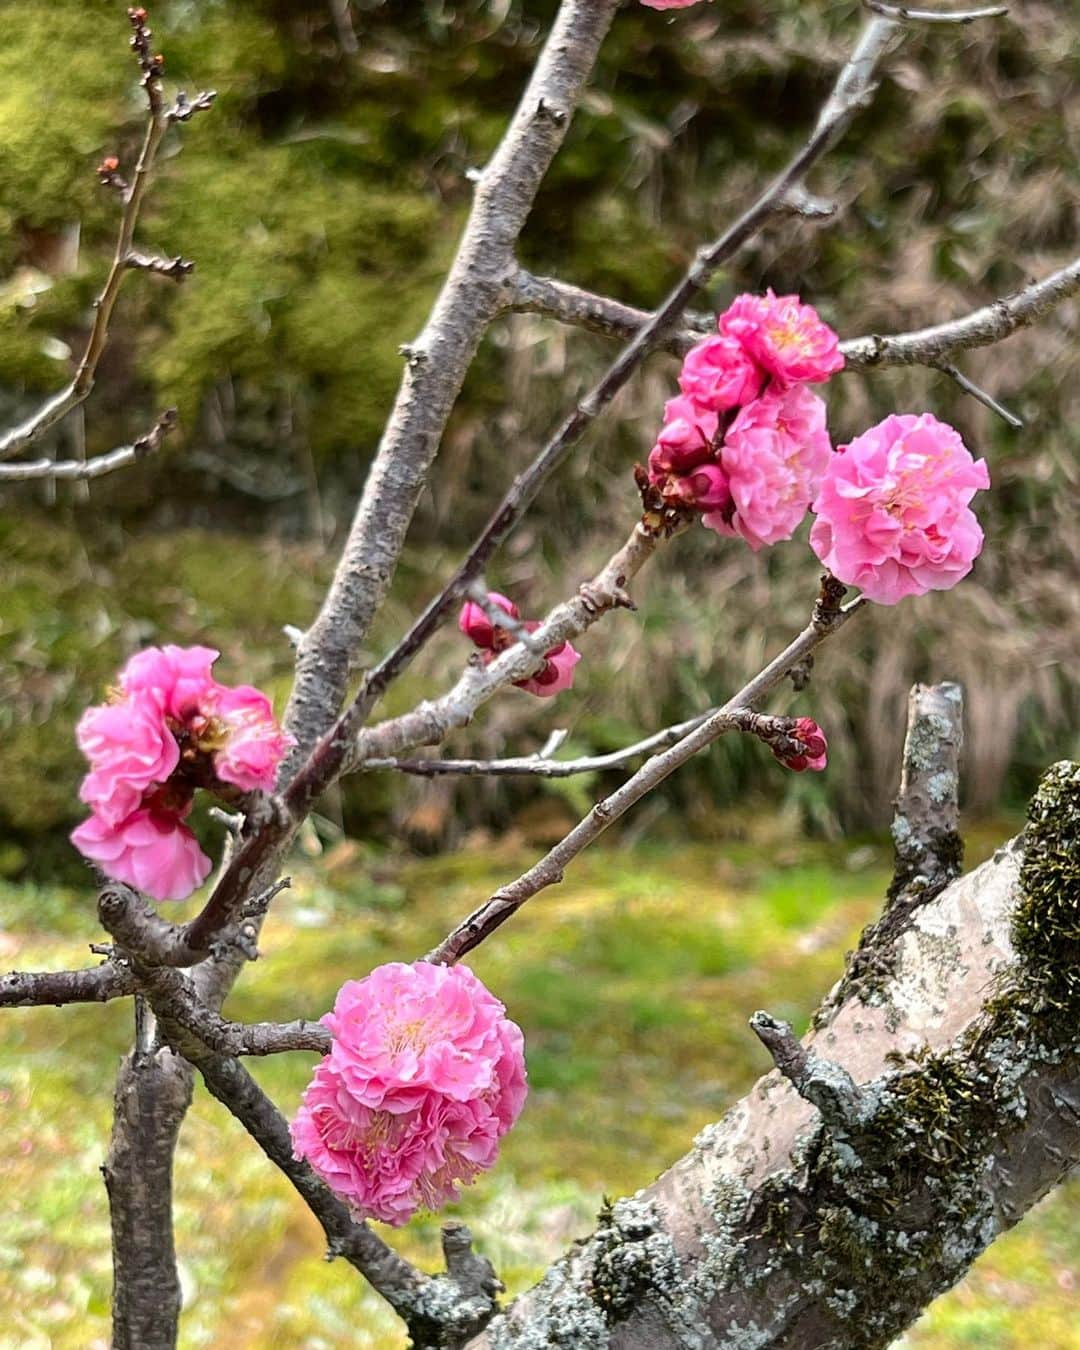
(321, 200)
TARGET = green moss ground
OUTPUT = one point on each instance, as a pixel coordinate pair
(633, 982)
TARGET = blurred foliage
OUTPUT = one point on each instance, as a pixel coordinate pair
(632, 984)
(321, 200)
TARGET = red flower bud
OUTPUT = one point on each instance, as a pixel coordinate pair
(815, 755)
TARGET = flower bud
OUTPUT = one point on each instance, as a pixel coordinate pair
(815, 755)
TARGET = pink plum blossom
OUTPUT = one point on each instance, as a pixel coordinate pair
(774, 455)
(685, 439)
(668, 4)
(705, 488)
(557, 672)
(151, 850)
(786, 338)
(718, 374)
(425, 1075)
(177, 678)
(254, 743)
(806, 730)
(892, 512)
(130, 749)
(169, 729)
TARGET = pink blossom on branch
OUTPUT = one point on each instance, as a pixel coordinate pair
(685, 440)
(130, 749)
(254, 745)
(892, 513)
(815, 757)
(480, 629)
(151, 850)
(785, 337)
(424, 1076)
(718, 374)
(775, 454)
(167, 730)
(557, 672)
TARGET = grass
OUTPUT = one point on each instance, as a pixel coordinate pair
(633, 982)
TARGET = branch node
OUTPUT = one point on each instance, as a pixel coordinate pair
(822, 1083)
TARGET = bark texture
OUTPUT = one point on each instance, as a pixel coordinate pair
(782, 1229)
(153, 1092)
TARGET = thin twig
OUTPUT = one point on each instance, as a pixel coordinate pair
(176, 269)
(987, 400)
(81, 470)
(924, 346)
(174, 996)
(828, 619)
(478, 594)
(431, 721)
(905, 14)
(540, 765)
(79, 388)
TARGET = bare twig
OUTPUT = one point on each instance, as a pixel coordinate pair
(176, 269)
(39, 989)
(82, 383)
(905, 14)
(980, 328)
(827, 1086)
(81, 470)
(478, 594)
(925, 346)
(539, 765)
(987, 400)
(828, 618)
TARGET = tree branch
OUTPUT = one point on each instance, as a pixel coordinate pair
(923, 346)
(174, 996)
(853, 88)
(39, 989)
(431, 721)
(437, 362)
(905, 14)
(735, 714)
(437, 1310)
(82, 383)
(539, 765)
(785, 1229)
(80, 470)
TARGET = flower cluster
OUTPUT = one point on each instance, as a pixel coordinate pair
(746, 442)
(168, 729)
(425, 1075)
(892, 512)
(557, 672)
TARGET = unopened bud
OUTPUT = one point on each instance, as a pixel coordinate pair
(476, 625)
(814, 756)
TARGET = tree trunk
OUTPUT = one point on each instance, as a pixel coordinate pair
(945, 1082)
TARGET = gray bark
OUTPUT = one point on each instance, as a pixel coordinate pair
(153, 1092)
(952, 1095)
